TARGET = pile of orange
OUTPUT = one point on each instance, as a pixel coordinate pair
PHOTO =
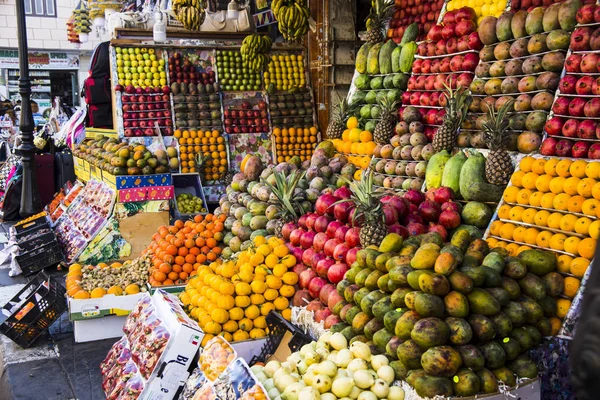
(85, 282)
(177, 251)
(292, 142)
(356, 144)
(210, 145)
(233, 298)
(552, 204)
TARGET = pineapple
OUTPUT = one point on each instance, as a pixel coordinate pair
(458, 102)
(288, 203)
(385, 126)
(369, 210)
(498, 165)
(380, 12)
(338, 123)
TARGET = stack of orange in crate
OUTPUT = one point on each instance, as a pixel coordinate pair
(210, 145)
(552, 204)
(292, 142)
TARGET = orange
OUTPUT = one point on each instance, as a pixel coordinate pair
(577, 169)
(495, 227)
(563, 263)
(556, 184)
(571, 244)
(516, 178)
(570, 185)
(594, 229)
(507, 231)
(582, 226)
(528, 215)
(519, 234)
(512, 248)
(554, 220)
(567, 222)
(116, 290)
(562, 168)
(366, 136)
(543, 183)
(510, 194)
(522, 249)
(538, 166)
(352, 123)
(82, 295)
(543, 239)
(541, 218)
(579, 266)
(492, 242)
(556, 325)
(557, 241)
(587, 248)
(592, 170)
(504, 211)
(561, 202)
(563, 306)
(523, 196)
(550, 166)
(526, 163)
(575, 203)
(515, 213)
(529, 179)
(590, 207)
(547, 200)
(596, 191)
(531, 235)
(97, 293)
(571, 286)
(536, 199)
(585, 186)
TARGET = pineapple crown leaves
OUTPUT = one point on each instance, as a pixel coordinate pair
(459, 101)
(201, 159)
(380, 10)
(365, 199)
(289, 206)
(343, 110)
(388, 107)
(497, 123)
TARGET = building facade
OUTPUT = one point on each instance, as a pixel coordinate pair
(58, 67)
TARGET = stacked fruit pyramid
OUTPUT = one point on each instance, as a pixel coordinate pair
(204, 152)
(356, 144)
(292, 142)
(522, 61)
(447, 58)
(552, 204)
(445, 310)
(425, 15)
(572, 131)
(233, 298)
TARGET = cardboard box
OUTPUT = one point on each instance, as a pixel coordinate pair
(82, 169)
(95, 173)
(145, 193)
(98, 329)
(80, 310)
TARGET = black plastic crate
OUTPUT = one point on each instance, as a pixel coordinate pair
(42, 220)
(27, 243)
(40, 258)
(31, 312)
(277, 326)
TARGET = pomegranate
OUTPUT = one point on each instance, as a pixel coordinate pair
(474, 41)
(452, 205)
(287, 230)
(319, 241)
(592, 108)
(568, 84)
(315, 286)
(596, 87)
(327, 290)
(443, 194)
(587, 130)
(580, 149)
(463, 44)
(305, 277)
(595, 40)
(330, 246)
(302, 221)
(301, 298)
(451, 45)
(296, 235)
(449, 17)
(465, 13)
(323, 266)
(576, 107)
(570, 128)
(315, 305)
(554, 126)
(339, 252)
(465, 27)
(390, 215)
(573, 63)
(440, 47)
(340, 234)
(563, 148)
(310, 220)
(352, 238)
(449, 30)
(307, 256)
(332, 228)
(336, 272)
(413, 217)
(351, 255)
(324, 204)
(597, 14)
(439, 229)
(470, 61)
(306, 240)
(429, 211)
(585, 15)
(594, 151)
(414, 196)
(589, 63)
(322, 222)
(561, 106)
(322, 314)
(585, 84)
(580, 39)
(548, 147)
(415, 229)
(400, 204)
(334, 299)
(435, 33)
(449, 219)
(342, 192)
(331, 321)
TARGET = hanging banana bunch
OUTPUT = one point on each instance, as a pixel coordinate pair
(255, 50)
(293, 18)
(191, 13)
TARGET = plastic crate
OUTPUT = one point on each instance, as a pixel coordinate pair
(29, 242)
(31, 312)
(277, 326)
(36, 223)
(187, 183)
(40, 258)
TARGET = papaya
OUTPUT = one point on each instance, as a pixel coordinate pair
(382, 306)
(502, 325)
(471, 357)
(505, 375)
(350, 291)
(372, 326)
(351, 313)
(425, 257)
(381, 260)
(461, 239)
(396, 59)
(400, 370)
(435, 169)
(475, 232)
(511, 347)
(348, 333)
(431, 386)
(466, 383)
(533, 286)
(385, 57)
(482, 326)
(432, 237)
(477, 275)
(488, 381)
(409, 299)
(358, 296)
(409, 353)
(493, 354)
(367, 302)
(482, 302)
(434, 284)
(362, 276)
(460, 282)
(456, 253)
(538, 262)
(428, 305)
(410, 34)
(413, 278)
(362, 57)
(360, 321)
(430, 332)
(391, 348)
(477, 214)
(445, 264)
(495, 261)
(391, 318)
(400, 273)
(398, 297)
(441, 361)
(473, 185)
(342, 285)
(392, 242)
(460, 331)
(500, 295)
(381, 338)
(373, 59)
(407, 56)
(456, 305)
(451, 173)
(516, 313)
(405, 324)
(371, 281)
(567, 14)
(393, 262)
(523, 367)
(383, 283)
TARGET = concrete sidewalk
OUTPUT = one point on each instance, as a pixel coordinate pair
(54, 367)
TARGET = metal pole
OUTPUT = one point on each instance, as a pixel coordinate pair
(30, 200)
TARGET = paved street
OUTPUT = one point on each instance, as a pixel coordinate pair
(54, 367)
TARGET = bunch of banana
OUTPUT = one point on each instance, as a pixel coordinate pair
(292, 16)
(191, 13)
(254, 50)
